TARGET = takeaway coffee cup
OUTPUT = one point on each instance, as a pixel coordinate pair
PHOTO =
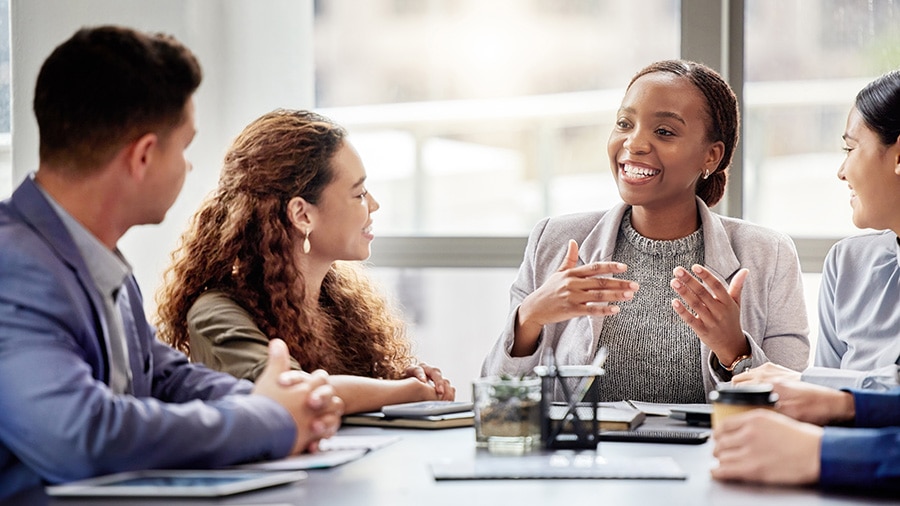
(728, 400)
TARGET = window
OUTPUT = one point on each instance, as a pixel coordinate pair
(474, 120)
(479, 118)
(805, 62)
(5, 110)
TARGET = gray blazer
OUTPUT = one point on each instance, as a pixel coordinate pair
(773, 312)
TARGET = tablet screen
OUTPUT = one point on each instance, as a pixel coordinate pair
(176, 483)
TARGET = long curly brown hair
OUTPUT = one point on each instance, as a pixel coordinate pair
(239, 242)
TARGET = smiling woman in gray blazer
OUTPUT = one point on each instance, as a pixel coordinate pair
(681, 297)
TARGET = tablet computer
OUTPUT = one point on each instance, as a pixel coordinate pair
(379, 419)
(175, 483)
(700, 415)
(426, 408)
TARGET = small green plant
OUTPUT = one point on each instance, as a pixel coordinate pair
(511, 387)
(508, 411)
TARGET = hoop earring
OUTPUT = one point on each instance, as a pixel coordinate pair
(306, 244)
(706, 174)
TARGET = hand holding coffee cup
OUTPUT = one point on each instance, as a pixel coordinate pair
(729, 400)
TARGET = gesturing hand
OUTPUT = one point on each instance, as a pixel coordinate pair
(570, 292)
(715, 310)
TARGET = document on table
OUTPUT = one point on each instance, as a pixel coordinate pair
(558, 465)
(660, 409)
(332, 452)
(610, 415)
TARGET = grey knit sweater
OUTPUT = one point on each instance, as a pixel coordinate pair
(652, 353)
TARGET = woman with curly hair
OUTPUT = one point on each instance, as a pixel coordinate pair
(271, 254)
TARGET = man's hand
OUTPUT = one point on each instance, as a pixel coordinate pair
(767, 373)
(309, 398)
(814, 403)
(766, 447)
(806, 402)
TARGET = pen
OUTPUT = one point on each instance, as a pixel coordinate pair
(596, 364)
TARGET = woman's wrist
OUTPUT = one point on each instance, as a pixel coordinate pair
(525, 334)
(525, 316)
(727, 356)
(416, 390)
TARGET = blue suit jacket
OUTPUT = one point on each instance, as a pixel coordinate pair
(865, 458)
(59, 421)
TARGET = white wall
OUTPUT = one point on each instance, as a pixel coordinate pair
(256, 56)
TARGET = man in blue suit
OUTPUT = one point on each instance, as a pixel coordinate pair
(85, 387)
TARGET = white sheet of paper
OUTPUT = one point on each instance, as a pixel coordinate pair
(332, 452)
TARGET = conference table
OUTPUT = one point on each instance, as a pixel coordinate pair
(401, 474)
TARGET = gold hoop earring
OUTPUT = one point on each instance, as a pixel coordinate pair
(306, 244)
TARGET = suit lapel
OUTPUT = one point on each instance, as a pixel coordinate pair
(599, 246)
(38, 213)
(718, 252)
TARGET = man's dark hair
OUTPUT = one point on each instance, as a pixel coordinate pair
(107, 86)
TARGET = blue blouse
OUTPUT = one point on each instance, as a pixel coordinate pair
(859, 324)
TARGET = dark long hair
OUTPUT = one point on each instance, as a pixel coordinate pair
(879, 105)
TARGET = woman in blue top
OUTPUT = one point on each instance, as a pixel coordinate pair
(774, 448)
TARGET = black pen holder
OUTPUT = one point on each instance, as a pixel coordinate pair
(569, 399)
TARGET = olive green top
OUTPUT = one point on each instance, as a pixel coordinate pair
(224, 337)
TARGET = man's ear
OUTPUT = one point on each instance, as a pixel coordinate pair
(301, 214)
(140, 155)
